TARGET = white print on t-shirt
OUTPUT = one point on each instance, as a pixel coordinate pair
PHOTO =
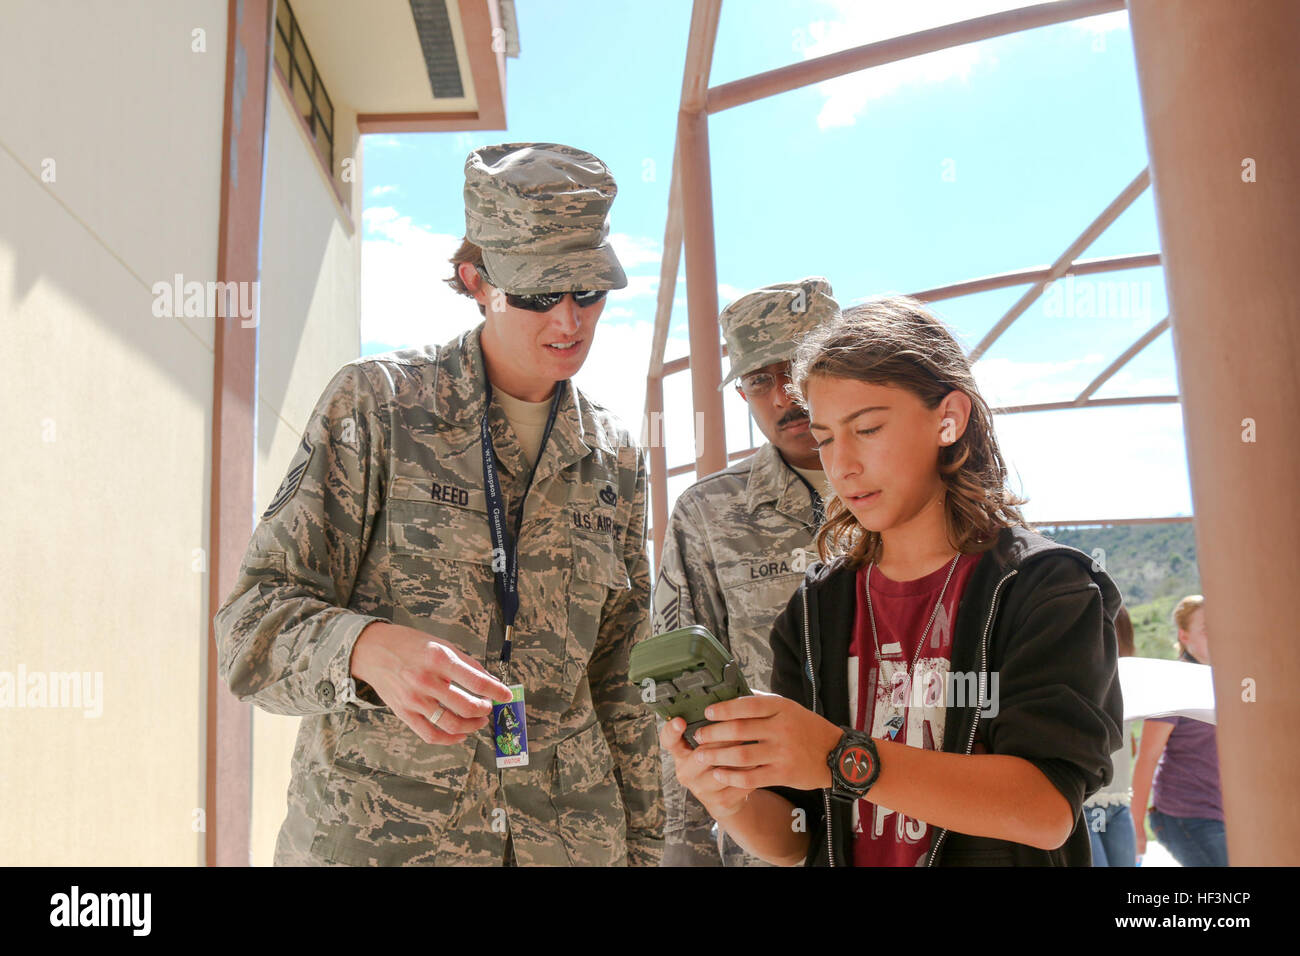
(941, 633)
(924, 725)
(921, 723)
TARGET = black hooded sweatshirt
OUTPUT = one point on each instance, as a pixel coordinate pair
(1034, 612)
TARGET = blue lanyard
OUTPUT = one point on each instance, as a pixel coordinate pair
(503, 543)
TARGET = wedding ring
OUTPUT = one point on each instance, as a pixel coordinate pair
(437, 714)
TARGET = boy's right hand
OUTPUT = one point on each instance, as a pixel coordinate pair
(719, 799)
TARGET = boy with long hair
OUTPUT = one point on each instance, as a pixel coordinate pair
(945, 679)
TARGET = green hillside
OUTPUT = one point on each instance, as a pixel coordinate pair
(1154, 566)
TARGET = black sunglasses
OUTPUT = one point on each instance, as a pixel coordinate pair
(545, 301)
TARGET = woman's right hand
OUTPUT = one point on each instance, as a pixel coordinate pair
(417, 676)
(1139, 827)
(719, 799)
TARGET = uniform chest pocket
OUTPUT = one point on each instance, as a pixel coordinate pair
(755, 596)
(440, 554)
(598, 574)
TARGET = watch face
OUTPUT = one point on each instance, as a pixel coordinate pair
(855, 765)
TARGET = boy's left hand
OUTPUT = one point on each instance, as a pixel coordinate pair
(776, 741)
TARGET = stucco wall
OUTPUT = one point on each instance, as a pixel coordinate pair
(110, 154)
(310, 325)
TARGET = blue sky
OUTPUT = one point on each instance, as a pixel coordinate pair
(983, 159)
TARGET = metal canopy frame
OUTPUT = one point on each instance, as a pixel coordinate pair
(690, 226)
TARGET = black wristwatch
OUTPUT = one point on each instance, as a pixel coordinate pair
(854, 764)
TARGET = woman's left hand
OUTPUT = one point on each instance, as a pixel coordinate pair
(773, 742)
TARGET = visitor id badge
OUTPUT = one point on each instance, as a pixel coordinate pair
(510, 730)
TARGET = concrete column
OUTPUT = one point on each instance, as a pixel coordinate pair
(1220, 85)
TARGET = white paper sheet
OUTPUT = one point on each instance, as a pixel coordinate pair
(1157, 688)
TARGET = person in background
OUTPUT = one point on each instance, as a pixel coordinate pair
(738, 540)
(1178, 765)
(1110, 822)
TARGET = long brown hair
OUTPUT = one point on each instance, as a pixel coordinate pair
(1124, 633)
(896, 341)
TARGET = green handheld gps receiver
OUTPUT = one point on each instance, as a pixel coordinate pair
(682, 672)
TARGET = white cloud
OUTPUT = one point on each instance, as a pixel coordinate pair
(1103, 22)
(728, 293)
(633, 251)
(379, 141)
(1004, 381)
(638, 286)
(1125, 384)
(466, 142)
(856, 23)
(1125, 462)
(615, 370)
(381, 190)
(649, 285)
(1074, 465)
(404, 301)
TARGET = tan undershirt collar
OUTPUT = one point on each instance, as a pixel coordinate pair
(528, 419)
(816, 478)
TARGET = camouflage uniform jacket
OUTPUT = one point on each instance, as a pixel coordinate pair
(735, 550)
(383, 517)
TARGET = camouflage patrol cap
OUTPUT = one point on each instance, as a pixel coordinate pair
(761, 327)
(540, 213)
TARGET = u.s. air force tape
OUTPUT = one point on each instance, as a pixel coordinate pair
(297, 468)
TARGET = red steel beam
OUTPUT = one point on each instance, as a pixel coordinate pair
(1072, 252)
(1172, 519)
(1091, 403)
(786, 78)
(1147, 337)
(1005, 280)
(228, 735)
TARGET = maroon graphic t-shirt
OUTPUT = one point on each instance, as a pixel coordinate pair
(894, 703)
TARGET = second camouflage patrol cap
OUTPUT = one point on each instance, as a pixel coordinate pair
(540, 213)
(762, 327)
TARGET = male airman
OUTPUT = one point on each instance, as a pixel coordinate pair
(738, 541)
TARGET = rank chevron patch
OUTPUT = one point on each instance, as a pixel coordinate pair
(297, 468)
(665, 604)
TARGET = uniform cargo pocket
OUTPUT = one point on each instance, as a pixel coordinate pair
(588, 804)
(378, 741)
(389, 796)
(598, 573)
(583, 760)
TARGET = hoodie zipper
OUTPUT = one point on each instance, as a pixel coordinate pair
(970, 743)
(807, 650)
